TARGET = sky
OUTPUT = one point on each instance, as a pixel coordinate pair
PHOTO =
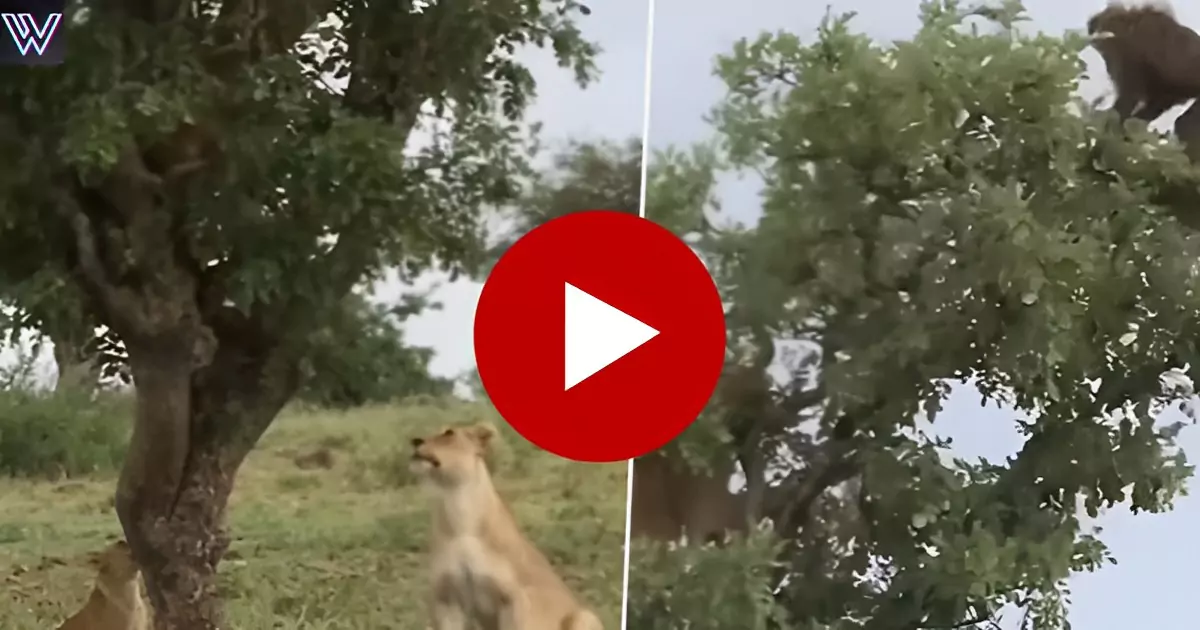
(1152, 585)
(610, 109)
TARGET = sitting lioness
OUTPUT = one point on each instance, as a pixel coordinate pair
(486, 575)
(116, 602)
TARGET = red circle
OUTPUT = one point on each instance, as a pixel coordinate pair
(637, 403)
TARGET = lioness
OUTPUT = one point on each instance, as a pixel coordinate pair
(116, 602)
(486, 574)
(670, 501)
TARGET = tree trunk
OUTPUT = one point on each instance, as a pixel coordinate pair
(209, 379)
(195, 426)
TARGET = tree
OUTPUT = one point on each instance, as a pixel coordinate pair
(942, 211)
(194, 173)
(360, 356)
(51, 307)
(595, 175)
(604, 174)
(582, 175)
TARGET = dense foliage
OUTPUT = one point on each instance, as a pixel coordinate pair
(583, 175)
(940, 212)
(214, 178)
(360, 356)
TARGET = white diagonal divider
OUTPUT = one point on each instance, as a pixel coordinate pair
(597, 335)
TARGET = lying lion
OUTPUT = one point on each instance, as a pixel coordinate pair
(116, 602)
(486, 574)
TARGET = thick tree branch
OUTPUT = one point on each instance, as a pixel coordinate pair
(840, 466)
(118, 303)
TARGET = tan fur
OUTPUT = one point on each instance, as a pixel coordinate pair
(320, 458)
(670, 502)
(116, 602)
(485, 574)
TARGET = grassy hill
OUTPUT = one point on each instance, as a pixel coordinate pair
(341, 547)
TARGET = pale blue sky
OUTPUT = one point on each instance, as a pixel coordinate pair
(1152, 585)
(610, 109)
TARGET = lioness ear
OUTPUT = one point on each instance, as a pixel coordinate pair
(93, 559)
(483, 434)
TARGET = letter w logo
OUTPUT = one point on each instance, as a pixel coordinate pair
(26, 32)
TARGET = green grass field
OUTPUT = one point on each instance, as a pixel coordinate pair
(319, 548)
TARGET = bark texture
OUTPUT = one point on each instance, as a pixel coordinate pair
(178, 533)
(209, 380)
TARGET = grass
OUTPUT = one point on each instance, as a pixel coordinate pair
(337, 548)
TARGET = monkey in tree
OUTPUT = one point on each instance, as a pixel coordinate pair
(189, 148)
(1154, 64)
(185, 150)
(1152, 59)
(669, 498)
(752, 412)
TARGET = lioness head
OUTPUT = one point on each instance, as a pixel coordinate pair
(454, 454)
(115, 563)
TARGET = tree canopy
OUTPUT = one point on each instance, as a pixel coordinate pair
(943, 211)
(360, 356)
(582, 175)
(215, 177)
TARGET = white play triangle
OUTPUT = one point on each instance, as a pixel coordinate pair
(597, 335)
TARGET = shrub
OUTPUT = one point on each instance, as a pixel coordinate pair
(668, 583)
(66, 433)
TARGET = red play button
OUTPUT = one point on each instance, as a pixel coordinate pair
(599, 336)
